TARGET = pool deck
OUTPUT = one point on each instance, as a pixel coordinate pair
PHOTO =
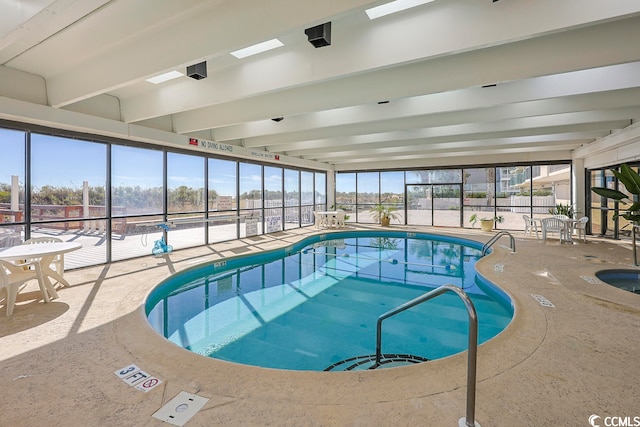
(553, 366)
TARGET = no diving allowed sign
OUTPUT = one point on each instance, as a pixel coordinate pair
(136, 377)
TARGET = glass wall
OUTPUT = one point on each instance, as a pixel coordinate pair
(12, 187)
(273, 199)
(70, 200)
(478, 188)
(602, 210)
(186, 200)
(223, 218)
(450, 197)
(250, 199)
(137, 197)
(291, 199)
(321, 191)
(346, 194)
(392, 193)
(367, 195)
(120, 199)
(307, 192)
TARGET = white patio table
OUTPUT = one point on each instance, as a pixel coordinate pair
(569, 224)
(43, 253)
(325, 217)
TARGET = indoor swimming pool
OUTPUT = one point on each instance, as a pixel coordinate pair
(314, 305)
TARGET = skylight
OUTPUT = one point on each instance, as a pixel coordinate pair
(393, 7)
(165, 77)
(257, 48)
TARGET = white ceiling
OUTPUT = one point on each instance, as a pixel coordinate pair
(562, 73)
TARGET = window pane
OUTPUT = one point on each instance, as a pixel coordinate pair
(291, 187)
(306, 187)
(12, 180)
(11, 235)
(94, 248)
(250, 199)
(250, 222)
(392, 188)
(272, 187)
(73, 200)
(368, 187)
(435, 176)
(291, 199)
(292, 218)
(186, 232)
(222, 227)
(345, 188)
(222, 185)
(306, 198)
(250, 186)
(76, 193)
(321, 190)
(185, 183)
(346, 193)
(134, 236)
(137, 181)
(478, 188)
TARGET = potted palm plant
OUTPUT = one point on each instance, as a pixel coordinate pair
(561, 209)
(486, 223)
(383, 214)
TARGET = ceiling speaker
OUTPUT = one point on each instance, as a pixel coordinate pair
(197, 71)
(319, 35)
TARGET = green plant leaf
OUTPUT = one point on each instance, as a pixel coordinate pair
(634, 207)
(629, 178)
(609, 193)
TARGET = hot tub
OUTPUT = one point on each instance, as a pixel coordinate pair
(628, 280)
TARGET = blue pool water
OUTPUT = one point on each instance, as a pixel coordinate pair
(627, 280)
(315, 304)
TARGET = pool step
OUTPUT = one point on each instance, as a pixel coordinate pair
(387, 360)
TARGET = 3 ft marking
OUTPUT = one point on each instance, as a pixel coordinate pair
(136, 377)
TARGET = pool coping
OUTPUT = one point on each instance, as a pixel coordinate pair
(553, 365)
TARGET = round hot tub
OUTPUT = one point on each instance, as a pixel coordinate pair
(628, 280)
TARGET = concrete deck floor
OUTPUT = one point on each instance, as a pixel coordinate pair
(553, 366)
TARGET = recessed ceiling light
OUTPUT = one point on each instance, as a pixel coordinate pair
(393, 7)
(165, 77)
(257, 48)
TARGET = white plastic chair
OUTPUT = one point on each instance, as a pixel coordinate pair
(553, 225)
(339, 219)
(58, 261)
(580, 227)
(529, 225)
(320, 220)
(12, 276)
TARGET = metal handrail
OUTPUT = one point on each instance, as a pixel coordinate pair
(512, 242)
(633, 241)
(472, 346)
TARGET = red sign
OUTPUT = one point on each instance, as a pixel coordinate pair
(277, 157)
(193, 141)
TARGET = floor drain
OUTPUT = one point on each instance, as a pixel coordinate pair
(542, 300)
(181, 408)
(591, 279)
